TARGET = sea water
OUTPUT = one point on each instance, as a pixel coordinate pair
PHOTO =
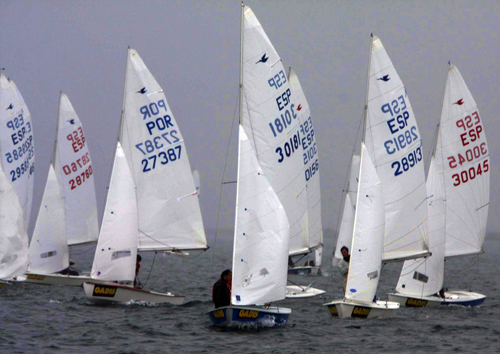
(57, 319)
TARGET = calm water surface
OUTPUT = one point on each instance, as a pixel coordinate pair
(54, 319)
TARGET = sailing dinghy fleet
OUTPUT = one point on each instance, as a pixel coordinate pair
(391, 211)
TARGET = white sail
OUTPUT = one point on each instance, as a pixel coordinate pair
(13, 236)
(16, 144)
(261, 239)
(48, 251)
(368, 236)
(270, 118)
(466, 168)
(116, 251)
(169, 211)
(73, 167)
(424, 276)
(310, 164)
(394, 143)
(347, 223)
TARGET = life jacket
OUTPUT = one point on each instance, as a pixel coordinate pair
(221, 281)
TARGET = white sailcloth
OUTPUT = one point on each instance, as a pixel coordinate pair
(347, 222)
(270, 118)
(13, 236)
(261, 239)
(310, 165)
(368, 237)
(169, 211)
(394, 143)
(466, 168)
(424, 277)
(48, 251)
(116, 251)
(197, 183)
(73, 167)
(16, 144)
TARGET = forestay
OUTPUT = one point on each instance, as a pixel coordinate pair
(261, 239)
(48, 251)
(116, 251)
(466, 167)
(270, 116)
(73, 167)
(368, 238)
(310, 163)
(169, 212)
(347, 222)
(394, 143)
(16, 144)
(13, 236)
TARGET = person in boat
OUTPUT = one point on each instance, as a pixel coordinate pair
(69, 270)
(137, 283)
(344, 264)
(221, 291)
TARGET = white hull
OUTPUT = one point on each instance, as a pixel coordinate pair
(454, 297)
(55, 279)
(305, 270)
(299, 292)
(251, 316)
(108, 293)
(380, 309)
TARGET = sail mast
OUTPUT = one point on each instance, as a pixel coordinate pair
(241, 61)
(367, 88)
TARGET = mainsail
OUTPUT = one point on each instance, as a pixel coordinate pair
(16, 144)
(168, 207)
(310, 165)
(458, 186)
(394, 143)
(270, 116)
(73, 167)
(13, 236)
(261, 236)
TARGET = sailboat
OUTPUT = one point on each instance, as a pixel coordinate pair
(262, 226)
(310, 245)
(153, 167)
(68, 213)
(17, 144)
(393, 143)
(367, 247)
(458, 185)
(13, 235)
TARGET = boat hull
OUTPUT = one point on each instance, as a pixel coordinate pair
(55, 279)
(249, 316)
(299, 292)
(108, 293)
(344, 309)
(454, 297)
(306, 270)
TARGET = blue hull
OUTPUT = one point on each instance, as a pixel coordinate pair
(249, 316)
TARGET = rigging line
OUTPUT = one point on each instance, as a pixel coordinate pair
(151, 269)
(223, 177)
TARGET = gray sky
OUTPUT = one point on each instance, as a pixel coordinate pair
(192, 48)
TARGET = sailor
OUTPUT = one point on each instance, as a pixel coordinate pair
(69, 270)
(137, 283)
(344, 264)
(221, 291)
